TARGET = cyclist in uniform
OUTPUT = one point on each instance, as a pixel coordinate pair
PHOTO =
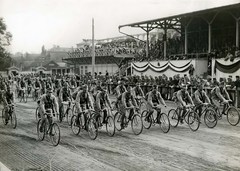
(48, 101)
(64, 95)
(219, 94)
(154, 98)
(23, 87)
(102, 99)
(137, 91)
(8, 98)
(37, 87)
(199, 98)
(83, 102)
(127, 101)
(182, 98)
(120, 89)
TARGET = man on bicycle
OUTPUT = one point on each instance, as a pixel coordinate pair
(200, 98)
(64, 96)
(48, 102)
(120, 89)
(154, 99)
(219, 94)
(127, 101)
(8, 99)
(102, 100)
(83, 102)
(137, 91)
(23, 87)
(182, 98)
(37, 88)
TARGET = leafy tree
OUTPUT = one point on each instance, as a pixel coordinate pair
(5, 39)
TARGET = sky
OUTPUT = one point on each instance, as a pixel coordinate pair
(34, 23)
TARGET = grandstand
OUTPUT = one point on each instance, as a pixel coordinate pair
(201, 37)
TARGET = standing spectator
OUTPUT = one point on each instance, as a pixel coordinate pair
(237, 86)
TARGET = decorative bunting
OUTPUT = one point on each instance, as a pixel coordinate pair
(163, 68)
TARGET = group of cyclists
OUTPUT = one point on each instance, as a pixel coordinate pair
(93, 95)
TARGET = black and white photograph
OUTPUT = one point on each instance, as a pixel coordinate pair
(119, 85)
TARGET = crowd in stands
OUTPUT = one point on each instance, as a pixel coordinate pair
(175, 50)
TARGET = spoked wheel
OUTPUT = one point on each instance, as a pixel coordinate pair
(143, 107)
(37, 114)
(55, 134)
(233, 116)
(76, 127)
(13, 119)
(193, 121)
(210, 118)
(3, 117)
(117, 121)
(69, 116)
(173, 117)
(41, 132)
(164, 123)
(92, 128)
(137, 124)
(146, 120)
(110, 127)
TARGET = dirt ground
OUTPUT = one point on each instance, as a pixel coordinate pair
(180, 149)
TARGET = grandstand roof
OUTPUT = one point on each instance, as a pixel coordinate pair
(154, 23)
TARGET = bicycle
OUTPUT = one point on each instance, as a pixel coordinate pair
(52, 130)
(82, 122)
(68, 112)
(136, 121)
(190, 117)
(210, 116)
(96, 122)
(141, 103)
(148, 120)
(35, 94)
(11, 116)
(22, 96)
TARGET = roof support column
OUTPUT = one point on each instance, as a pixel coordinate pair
(147, 44)
(210, 20)
(237, 33)
(186, 42)
(237, 18)
(209, 37)
(165, 41)
(186, 24)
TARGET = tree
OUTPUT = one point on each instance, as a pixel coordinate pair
(5, 39)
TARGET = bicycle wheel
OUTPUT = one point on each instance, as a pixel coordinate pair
(41, 134)
(173, 117)
(69, 116)
(193, 121)
(137, 124)
(3, 116)
(110, 127)
(210, 118)
(92, 128)
(55, 134)
(37, 114)
(74, 126)
(143, 107)
(164, 123)
(13, 119)
(233, 116)
(117, 121)
(147, 121)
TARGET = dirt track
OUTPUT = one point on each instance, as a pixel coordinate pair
(180, 149)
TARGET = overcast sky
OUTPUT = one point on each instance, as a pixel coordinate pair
(34, 23)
